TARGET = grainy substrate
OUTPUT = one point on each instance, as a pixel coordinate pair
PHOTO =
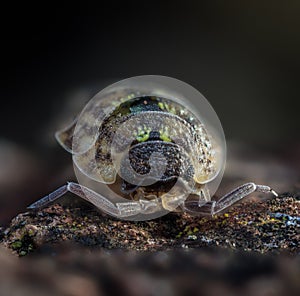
(272, 227)
(253, 249)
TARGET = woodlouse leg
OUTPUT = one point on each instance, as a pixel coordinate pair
(119, 210)
(85, 193)
(214, 207)
(138, 207)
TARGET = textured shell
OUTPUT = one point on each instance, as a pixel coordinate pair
(111, 124)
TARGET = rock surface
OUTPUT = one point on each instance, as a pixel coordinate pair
(271, 226)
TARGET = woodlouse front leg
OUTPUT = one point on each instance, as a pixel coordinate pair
(214, 207)
(120, 210)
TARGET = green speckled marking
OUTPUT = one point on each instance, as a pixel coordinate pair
(161, 105)
(165, 137)
(143, 135)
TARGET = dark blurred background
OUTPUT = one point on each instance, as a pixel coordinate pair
(243, 56)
